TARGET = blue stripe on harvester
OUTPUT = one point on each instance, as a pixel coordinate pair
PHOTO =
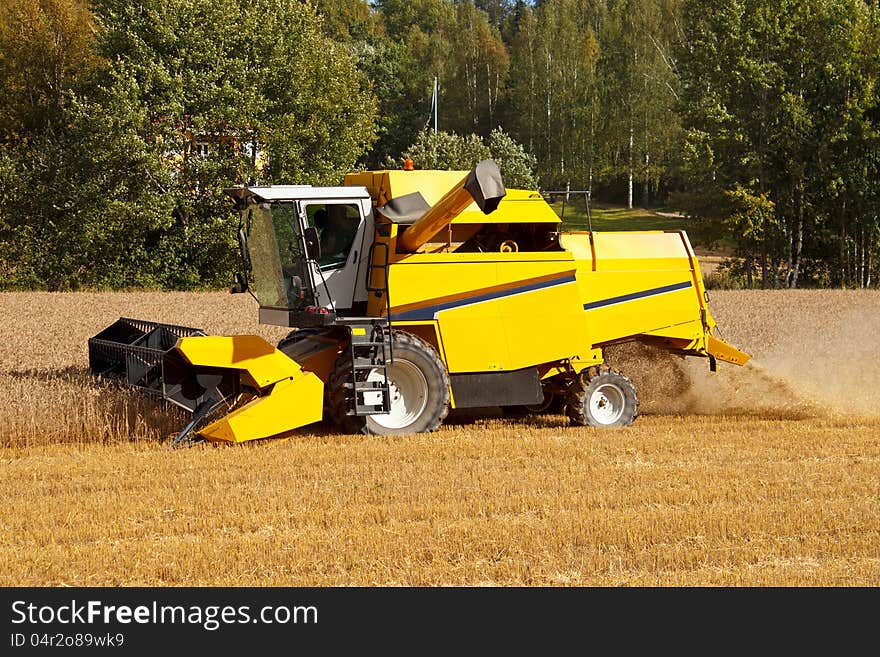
(428, 312)
(638, 295)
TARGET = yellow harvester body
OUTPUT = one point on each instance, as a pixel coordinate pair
(503, 302)
(506, 310)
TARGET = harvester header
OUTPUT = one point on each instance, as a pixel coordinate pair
(413, 292)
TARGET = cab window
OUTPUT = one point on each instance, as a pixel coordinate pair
(337, 225)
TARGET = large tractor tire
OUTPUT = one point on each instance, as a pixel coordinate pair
(419, 391)
(602, 397)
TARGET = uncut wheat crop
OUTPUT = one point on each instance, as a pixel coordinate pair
(765, 475)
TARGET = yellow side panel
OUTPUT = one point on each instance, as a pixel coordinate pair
(251, 353)
(641, 251)
(473, 337)
(500, 312)
(624, 304)
(545, 324)
(434, 280)
(638, 283)
(293, 403)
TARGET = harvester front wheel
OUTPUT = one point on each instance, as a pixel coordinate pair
(419, 391)
(602, 397)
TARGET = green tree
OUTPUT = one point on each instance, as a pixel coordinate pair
(476, 73)
(457, 44)
(85, 205)
(190, 96)
(517, 165)
(778, 99)
(236, 92)
(347, 21)
(593, 93)
(449, 151)
(45, 50)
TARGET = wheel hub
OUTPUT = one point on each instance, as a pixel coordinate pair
(408, 390)
(607, 403)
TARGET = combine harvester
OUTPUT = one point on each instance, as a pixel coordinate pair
(413, 292)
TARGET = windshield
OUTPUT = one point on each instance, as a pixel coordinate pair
(275, 250)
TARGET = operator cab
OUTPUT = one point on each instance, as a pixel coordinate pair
(304, 250)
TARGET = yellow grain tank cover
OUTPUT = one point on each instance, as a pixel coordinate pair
(295, 400)
(519, 206)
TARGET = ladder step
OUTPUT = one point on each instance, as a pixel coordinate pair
(378, 401)
(369, 410)
(370, 358)
(371, 386)
(365, 386)
(371, 348)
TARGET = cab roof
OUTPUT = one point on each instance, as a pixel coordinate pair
(297, 192)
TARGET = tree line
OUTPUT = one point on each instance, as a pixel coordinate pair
(121, 122)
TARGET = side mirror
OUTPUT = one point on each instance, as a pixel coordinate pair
(313, 243)
(239, 284)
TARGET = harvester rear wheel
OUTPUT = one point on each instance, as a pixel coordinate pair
(602, 397)
(419, 391)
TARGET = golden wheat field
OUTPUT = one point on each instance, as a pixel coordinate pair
(757, 476)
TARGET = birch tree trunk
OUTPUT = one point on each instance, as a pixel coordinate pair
(629, 187)
(799, 241)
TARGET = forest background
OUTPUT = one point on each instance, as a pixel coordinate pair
(121, 122)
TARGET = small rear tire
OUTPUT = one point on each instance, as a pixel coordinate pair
(602, 397)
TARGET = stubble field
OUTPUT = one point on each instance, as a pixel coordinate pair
(764, 475)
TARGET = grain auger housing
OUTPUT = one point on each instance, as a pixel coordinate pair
(412, 292)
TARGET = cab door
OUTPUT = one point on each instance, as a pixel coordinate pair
(340, 225)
